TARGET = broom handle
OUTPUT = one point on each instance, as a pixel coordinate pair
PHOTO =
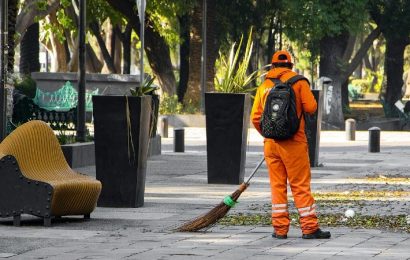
(254, 171)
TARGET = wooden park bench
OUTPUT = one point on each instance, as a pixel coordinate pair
(35, 178)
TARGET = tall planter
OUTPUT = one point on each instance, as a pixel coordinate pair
(121, 147)
(227, 122)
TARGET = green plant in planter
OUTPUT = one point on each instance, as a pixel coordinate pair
(234, 77)
(67, 137)
(146, 88)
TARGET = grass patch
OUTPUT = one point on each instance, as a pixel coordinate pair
(393, 223)
(361, 195)
(388, 179)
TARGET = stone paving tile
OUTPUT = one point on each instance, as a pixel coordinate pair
(237, 253)
(167, 252)
(177, 191)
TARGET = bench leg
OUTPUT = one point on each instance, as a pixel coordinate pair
(87, 216)
(47, 221)
(17, 220)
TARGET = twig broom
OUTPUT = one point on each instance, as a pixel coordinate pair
(220, 210)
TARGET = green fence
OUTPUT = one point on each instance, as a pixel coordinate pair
(63, 99)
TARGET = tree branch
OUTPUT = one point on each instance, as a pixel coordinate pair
(30, 11)
(361, 53)
(349, 48)
(107, 57)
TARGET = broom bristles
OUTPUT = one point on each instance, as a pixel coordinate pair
(212, 216)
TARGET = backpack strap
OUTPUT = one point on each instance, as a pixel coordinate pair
(275, 80)
(292, 81)
(296, 78)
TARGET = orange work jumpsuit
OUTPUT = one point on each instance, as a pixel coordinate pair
(288, 160)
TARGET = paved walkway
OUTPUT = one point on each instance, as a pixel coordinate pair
(177, 190)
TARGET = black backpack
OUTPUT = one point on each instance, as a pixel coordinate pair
(280, 120)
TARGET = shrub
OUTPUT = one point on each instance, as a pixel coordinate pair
(169, 105)
(26, 85)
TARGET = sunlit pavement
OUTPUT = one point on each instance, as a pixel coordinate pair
(177, 190)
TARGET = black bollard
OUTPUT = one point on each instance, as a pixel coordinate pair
(164, 127)
(374, 139)
(350, 128)
(179, 142)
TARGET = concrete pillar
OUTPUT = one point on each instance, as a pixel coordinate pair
(164, 127)
(350, 128)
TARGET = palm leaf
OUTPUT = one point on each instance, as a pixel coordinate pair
(234, 77)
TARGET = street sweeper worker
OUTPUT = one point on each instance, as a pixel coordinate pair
(288, 160)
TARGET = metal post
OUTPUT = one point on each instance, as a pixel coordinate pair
(46, 60)
(164, 127)
(179, 143)
(203, 58)
(81, 129)
(350, 128)
(3, 67)
(141, 14)
(374, 140)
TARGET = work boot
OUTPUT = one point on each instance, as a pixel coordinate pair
(274, 235)
(318, 234)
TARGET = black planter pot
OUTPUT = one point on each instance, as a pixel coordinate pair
(120, 167)
(154, 116)
(227, 122)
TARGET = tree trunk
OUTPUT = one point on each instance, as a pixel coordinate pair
(109, 63)
(12, 16)
(159, 58)
(213, 44)
(116, 51)
(126, 45)
(73, 64)
(331, 56)
(93, 64)
(184, 26)
(270, 44)
(114, 47)
(193, 92)
(156, 49)
(59, 58)
(393, 71)
(345, 95)
(30, 50)
(360, 54)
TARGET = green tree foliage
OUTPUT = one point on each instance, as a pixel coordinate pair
(392, 16)
(100, 10)
(325, 28)
(65, 22)
(307, 22)
(164, 16)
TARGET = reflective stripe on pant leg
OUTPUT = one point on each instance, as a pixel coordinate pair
(306, 211)
(278, 183)
(298, 169)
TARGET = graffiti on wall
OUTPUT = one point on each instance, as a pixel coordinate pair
(328, 100)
